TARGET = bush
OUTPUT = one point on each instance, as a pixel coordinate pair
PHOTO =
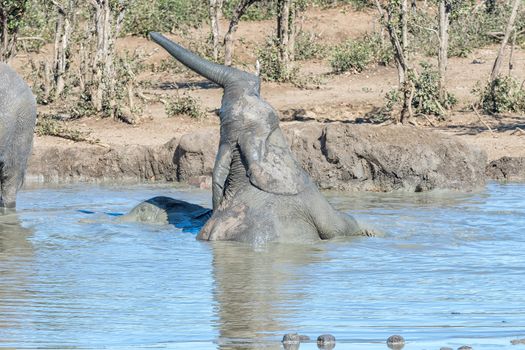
(504, 94)
(46, 125)
(469, 28)
(356, 55)
(271, 68)
(184, 105)
(426, 98)
(307, 47)
(163, 16)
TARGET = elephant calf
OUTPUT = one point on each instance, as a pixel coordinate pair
(260, 191)
(17, 123)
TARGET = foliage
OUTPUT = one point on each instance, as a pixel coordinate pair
(426, 98)
(470, 28)
(271, 67)
(48, 126)
(503, 94)
(307, 47)
(356, 55)
(357, 4)
(184, 105)
(260, 10)
(163, 16)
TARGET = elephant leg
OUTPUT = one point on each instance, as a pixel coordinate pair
(331, 223)
(9, 184)
(220, 173)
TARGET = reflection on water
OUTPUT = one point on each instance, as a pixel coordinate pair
(15, 273)
(256, 290)
(448, 273)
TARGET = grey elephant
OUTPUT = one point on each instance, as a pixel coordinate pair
(165, 210)
(260, 191)
(17, 123)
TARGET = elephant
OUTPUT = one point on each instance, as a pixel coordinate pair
(17, 123)
(260, 192)
(165, 210)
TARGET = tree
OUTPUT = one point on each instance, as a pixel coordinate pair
(445, 9)
(238, 12)
(65, 21)
(215, 10)
(286, 33)
(395, 18)
(508, 31)
(107, 17)
(11, 18)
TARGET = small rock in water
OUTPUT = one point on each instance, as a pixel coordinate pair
(294, 338)
(465, 347)
(326, 341)
(395, 342)
(518, 341)
(445, 348)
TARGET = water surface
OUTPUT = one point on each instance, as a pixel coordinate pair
(450, 271)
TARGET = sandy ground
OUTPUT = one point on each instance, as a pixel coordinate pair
(337, 98)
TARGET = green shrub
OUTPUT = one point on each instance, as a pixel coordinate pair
(261, 10)
(271, 67)
(470, 25)
(357, 55)
(46, 125)
(426, 99)
(307, 47)
(163, 15)
(504, 94)
(184, 105)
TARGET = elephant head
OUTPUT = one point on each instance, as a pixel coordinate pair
(17, 122)
(260, 191)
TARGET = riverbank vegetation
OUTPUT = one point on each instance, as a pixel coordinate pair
(80, 65)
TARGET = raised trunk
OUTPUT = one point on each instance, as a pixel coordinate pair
(217, 73)
(444, 21)
(228, 38)
(510, 25)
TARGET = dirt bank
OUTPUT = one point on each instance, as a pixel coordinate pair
(338, 156)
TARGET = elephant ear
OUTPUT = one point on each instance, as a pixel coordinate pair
(271, 166)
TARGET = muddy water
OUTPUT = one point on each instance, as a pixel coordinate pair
(450, 272)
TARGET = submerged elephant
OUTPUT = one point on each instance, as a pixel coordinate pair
(165, 210)
(17, 123)
(260, 192)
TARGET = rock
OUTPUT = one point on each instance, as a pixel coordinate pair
(395, 342)
(385, 158)
(195, 154)
(326, 341)
(465, 347)
(518, 341)
(338, 156)
(294, 338)
(445, 348)
(507, 169)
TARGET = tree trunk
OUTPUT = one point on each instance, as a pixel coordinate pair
(444, 21)
(400, 54)
(286, 34)
(107, 26)
(11, 14)
(215, 15)
(64, 29)
(228, 38)
(510, 25)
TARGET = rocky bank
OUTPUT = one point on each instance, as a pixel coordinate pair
(338, 156)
